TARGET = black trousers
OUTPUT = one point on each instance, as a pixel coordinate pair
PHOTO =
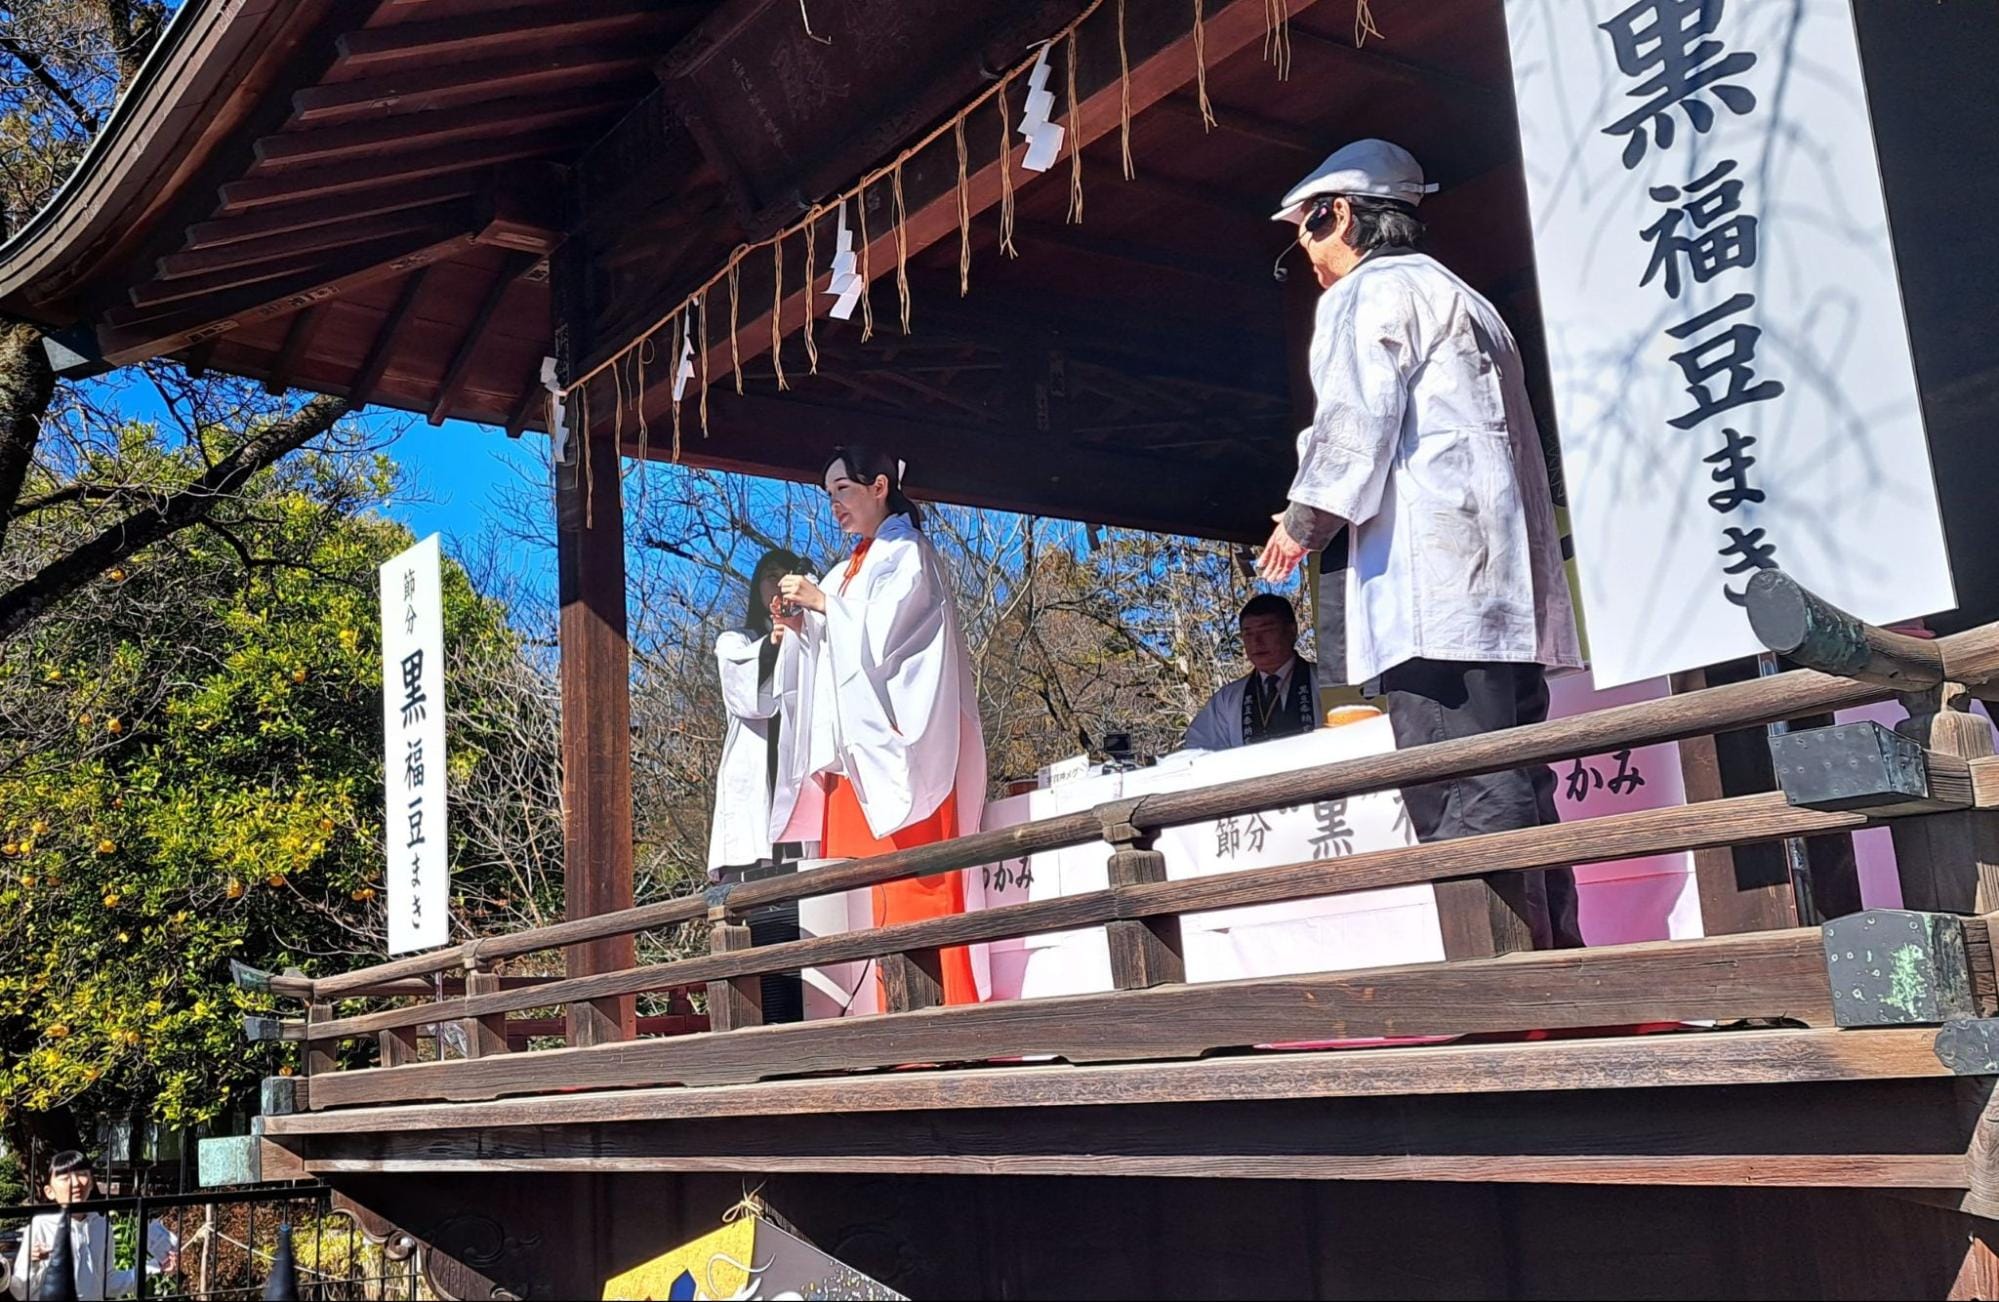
(773, 924)
(1437, 700)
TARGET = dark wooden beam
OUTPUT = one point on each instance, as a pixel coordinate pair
(1253, 274)
(1373, 59)
(525, 27)
(318, 239)
(365, 174)
(1248, 125)
(361, 389)
(595, 674)
(460, 367)
(1002, 469)
(278, 155)
(197, 359)
(523, 412)
(298, 338)
(1619, 1062)
(1159, 43)
(277, 277)
(1761, 975)
(422, 90)
(352, 207)
(1879, 1134)
(122, 345)
(525, 208)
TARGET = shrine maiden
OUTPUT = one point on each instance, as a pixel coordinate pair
(881, 747)
(747, 659)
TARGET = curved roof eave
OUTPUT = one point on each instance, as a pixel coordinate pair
(173, 98)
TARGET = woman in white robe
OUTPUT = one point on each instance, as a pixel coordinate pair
(746, 656)
(881, 748)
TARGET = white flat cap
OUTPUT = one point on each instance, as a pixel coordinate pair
(1371, 167)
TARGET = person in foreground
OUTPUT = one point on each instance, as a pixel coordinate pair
(1277, 698)
(72, 1180)
(881, 748)
(1423, 446)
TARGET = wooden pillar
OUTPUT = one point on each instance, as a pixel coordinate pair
(1752, 887)
(1948, 863)
(596, 720)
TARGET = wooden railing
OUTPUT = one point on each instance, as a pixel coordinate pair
(1940, 802)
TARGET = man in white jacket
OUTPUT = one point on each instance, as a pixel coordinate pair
(1423, 446)
(71, 1181)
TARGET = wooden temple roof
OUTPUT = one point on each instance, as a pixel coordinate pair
(363, 198)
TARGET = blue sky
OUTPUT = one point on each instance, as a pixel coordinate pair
(457, 475)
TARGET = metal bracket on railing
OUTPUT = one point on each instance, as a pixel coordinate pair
(1897, 967)
(262, 1030)
(1849, 766)
(716, 897)
(1970, 1047)
(254, 979)
(1118, 819)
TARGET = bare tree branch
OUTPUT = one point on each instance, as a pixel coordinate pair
(176, 511)
(38, 68)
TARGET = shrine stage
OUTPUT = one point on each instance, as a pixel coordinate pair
(1765, 1163)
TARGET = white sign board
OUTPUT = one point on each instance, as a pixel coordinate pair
(1731, 366)
(413, 818)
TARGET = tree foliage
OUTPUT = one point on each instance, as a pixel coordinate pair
(192, 774)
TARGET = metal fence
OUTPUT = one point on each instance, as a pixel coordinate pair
(220, 1244)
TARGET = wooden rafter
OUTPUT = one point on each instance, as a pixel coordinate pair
(524, 406)
(321, 145)
(312, 214)
(361, 390)
(298, 338)
(364, 174)
(269, 283)
(455, 374)
(315, 240)
(510, 30)
(424, 90)
(300, 270)
(122, 345)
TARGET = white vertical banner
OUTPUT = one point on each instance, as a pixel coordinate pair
(1731, 366)
(413, 818)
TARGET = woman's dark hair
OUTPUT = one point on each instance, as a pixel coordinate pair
(863, 463)
(1381, 224)
(776, 561)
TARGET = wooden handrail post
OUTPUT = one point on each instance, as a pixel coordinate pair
(738, 1001)
(1948, 863)
(399, 1046)
(1144, 951)
(484, 1036)
(319, 1057)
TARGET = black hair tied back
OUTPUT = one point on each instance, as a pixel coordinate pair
(864, 462)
